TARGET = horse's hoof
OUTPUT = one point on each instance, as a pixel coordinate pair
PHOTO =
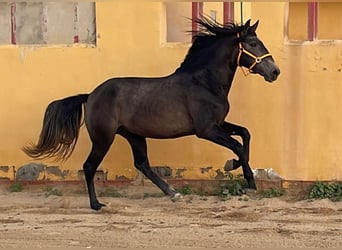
(97, 206)
(176, 197)
(251, 193)
(229, 166)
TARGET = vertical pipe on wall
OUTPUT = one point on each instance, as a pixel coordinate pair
(228, 12)
(76, 37)
(312, 20)
(197, 12)
(13, 24)
(241, 12)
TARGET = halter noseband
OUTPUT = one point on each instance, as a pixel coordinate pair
(257, 59)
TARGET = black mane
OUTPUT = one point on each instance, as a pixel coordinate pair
(209, 32)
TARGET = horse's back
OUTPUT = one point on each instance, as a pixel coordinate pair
(150, 107)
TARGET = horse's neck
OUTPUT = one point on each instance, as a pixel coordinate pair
(221, 77)
(224, 69)
(215, 72)
(229, 68)
(227, 83)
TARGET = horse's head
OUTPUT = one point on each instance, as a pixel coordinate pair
(253, 55)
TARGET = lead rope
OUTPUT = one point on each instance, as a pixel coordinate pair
(257, 59)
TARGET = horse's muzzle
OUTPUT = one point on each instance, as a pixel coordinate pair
(272, 75)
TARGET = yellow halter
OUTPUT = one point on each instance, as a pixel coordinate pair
(257, 59)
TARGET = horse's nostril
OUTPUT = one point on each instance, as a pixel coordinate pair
(276, 72)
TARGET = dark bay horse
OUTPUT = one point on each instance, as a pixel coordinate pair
(190, 101)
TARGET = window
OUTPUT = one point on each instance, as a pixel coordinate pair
(213, 14)
(313, 21)
(178, 22)
(178, 15)
(328, 27)
(37, 23)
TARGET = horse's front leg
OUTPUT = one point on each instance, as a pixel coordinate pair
(219, 136)
(232, 129)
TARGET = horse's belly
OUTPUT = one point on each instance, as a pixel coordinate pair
(161, 126)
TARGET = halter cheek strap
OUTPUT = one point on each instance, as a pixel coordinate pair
(257, 59)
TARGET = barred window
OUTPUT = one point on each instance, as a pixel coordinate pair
(314, 21)
(179, 15)
(35, 23)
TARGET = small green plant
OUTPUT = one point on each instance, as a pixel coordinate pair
(322, 190)
(52, 191)
(224, 194)
(272, 192)
(236, 188)
(233, 188)
(186, 189)
(16, 187)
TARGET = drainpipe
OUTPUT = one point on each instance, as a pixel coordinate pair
(312, 20)
(241, 12)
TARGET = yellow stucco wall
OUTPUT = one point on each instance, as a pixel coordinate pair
(294, 122)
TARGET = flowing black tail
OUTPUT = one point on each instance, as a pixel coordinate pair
(61, 125)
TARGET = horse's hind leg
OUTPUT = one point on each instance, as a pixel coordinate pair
(139, 148)
(98, 151)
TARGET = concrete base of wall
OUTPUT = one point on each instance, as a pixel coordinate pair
(295, 190)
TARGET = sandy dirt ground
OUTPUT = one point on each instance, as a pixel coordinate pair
(31, 219)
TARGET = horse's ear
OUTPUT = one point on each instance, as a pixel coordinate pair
(253, 28)
(247, 24)
(246, 28)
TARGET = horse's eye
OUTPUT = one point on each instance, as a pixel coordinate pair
(253, 44)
